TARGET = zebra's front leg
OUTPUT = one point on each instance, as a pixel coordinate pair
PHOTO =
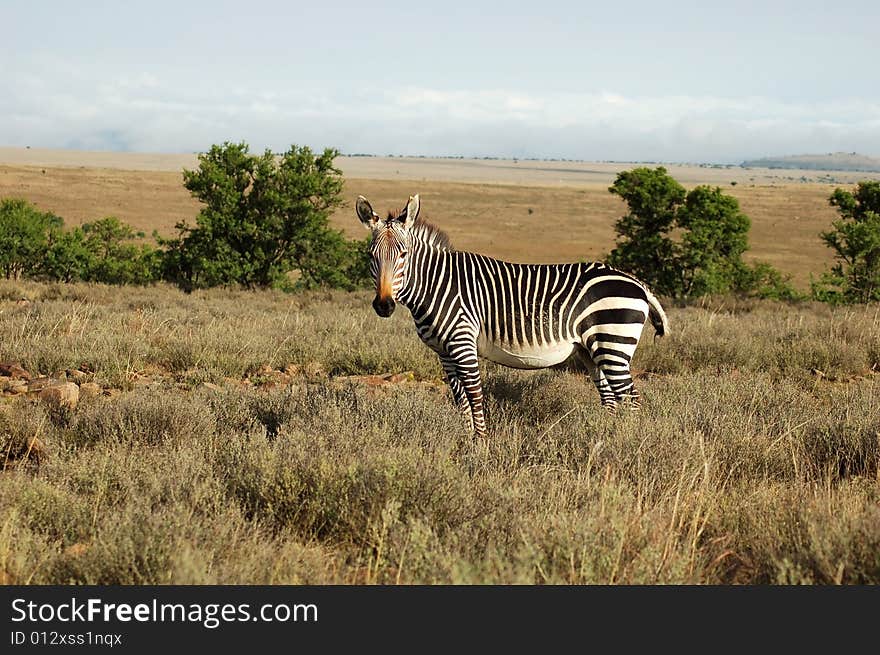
(467, 370)
(459, 395)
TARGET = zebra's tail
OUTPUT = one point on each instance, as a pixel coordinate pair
(657, 316)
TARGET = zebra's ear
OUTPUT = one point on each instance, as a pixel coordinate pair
(365, 213)
(411, 213)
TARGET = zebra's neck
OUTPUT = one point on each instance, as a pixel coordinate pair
(428, 272)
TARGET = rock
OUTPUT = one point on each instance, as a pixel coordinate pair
(14, 370)
(90, 389)
(16, 386)
(38, 384)
(64, 395)
(76, 375)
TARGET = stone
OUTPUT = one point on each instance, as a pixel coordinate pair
(38, 384)
(64, 395)
(90, 389)
(14, 370)
(16, 386)
(75, 374)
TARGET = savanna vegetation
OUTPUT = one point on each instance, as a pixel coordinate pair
(229, 443)
(242, 434)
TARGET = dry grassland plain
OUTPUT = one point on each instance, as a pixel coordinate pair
(530, 211)
(234, 437)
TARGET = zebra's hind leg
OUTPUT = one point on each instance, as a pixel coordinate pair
(619, 378)
(606, 394)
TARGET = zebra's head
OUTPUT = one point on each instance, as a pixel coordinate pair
(388, 249)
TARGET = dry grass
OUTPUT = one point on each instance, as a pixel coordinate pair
(745, 466)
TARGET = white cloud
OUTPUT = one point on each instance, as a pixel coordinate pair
(60, 107)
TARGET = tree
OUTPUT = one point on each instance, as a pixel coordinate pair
(643, 247)
(263, 217)
(855, 239)
(714, 239)
(24, 236)
(68, 257)
(711, 236)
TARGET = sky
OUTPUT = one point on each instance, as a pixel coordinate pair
(623, 80)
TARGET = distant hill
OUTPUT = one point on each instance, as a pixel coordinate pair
(833, 161)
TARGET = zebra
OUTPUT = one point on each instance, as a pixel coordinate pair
(529, 316)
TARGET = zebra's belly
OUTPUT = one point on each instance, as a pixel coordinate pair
(525, 356)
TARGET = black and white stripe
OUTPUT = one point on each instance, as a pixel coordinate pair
(466, 305)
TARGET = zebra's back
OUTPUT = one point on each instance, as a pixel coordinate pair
(536, 315)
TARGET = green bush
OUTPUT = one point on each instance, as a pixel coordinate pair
(762, 280)
(264, 217)
(68, 257)
(24, 237)
(101, 251)
(34, 244)
(644, 247)
(855, 240)
(114, 259)
(706, 258)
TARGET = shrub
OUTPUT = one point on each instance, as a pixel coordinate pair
(35, 244)
(24, 237)
(644, 247)
(263, 217)
(706, 259)
(113, 258)
(68, 257)
(855, 240)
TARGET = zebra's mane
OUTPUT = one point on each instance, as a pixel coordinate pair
(427, 233)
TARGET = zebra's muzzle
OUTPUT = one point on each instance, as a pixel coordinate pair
(384, 306)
